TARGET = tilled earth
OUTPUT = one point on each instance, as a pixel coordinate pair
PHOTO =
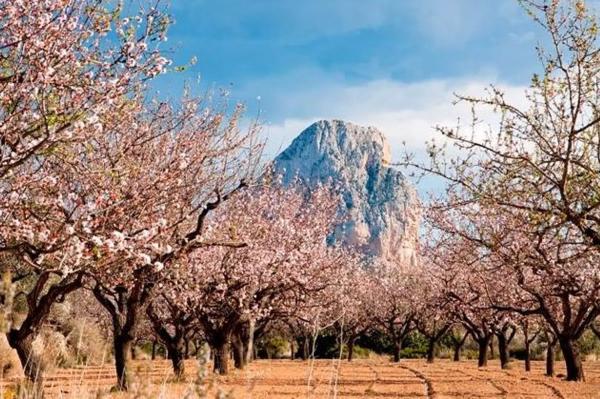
(333, 379)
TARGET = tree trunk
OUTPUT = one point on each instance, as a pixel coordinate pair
(431, 350)
(483, 344)
(527, 354)
(177, 351)
(503, 351)
(33, 366)
(570, 351)
(238, 352)
(187, 349)
(491, 345)
(38, 309)
(550, 359)
(132, 351)
(397, 349)
(458, 345)
(123, 305)
(305, 350)
(122, 347)
(351, 349)
(292, 349)
(248, 343)
(221, 358)
(457, 349)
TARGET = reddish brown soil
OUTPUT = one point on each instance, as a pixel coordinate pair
(332, 379)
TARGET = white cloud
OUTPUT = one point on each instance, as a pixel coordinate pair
(404, 112)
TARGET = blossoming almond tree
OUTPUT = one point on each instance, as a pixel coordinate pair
(540, 167)
(558, 279)
(433, 318)
(65, 65)
(148, 191)
(550, 273)
(454, 262)
(355, 303)
(543, 158)
(223, 288)
(395, 311)
(66, 68)
(125, 205)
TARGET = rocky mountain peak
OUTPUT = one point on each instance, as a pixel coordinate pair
(381, 204)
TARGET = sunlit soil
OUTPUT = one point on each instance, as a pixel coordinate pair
(333, 379)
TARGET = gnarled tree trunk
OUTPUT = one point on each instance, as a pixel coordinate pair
(351, 342)
(123, 304)
(248, 341)
(483, 343)
(503, 351)
(221, 357)
(33, 365)
(122, 341)
(40, 299)
(177, 351)
(431, 350)
(570, 351)
(505, 335)
(550, 359)
(528, 339)
(527, 355)
(239, 359)
(397, 350)
(458, 345)
(433, 334)
(174, 339)
(303, 347)
(153, 350)
(292, 349)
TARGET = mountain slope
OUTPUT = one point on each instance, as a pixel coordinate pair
(381, 204)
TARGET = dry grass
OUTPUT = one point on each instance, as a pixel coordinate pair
(329, 379)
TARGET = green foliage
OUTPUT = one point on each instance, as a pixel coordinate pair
(536, 352)
(415, 346)
(273, 348)
(376, 342)
(359, 352)
(589, 344)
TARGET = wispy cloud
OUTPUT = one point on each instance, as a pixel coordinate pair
(405, 112)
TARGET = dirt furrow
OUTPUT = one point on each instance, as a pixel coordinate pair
(428, 384)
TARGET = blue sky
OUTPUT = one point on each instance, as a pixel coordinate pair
(393, 64)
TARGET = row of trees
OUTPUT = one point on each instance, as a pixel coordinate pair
(158, 209)
(101, 187)
(518, 221)
(444, 301)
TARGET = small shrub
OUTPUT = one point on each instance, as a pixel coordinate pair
(273, 348)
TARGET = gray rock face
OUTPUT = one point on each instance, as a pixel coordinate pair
(382, 206)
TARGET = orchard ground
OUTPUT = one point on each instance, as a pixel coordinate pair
(374, 378)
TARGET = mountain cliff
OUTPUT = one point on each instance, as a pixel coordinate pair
(381, 205)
